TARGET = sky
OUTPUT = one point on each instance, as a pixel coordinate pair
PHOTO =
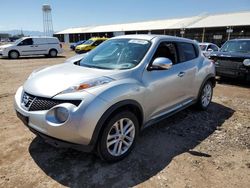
(27, 14)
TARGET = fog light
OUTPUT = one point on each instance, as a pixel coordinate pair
(61, 114)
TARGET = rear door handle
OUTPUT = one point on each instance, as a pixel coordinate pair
(181, 74)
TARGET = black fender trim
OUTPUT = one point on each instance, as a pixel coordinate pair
(209, 76)
(105, 117)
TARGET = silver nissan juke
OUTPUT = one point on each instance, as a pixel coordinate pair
(101, 100)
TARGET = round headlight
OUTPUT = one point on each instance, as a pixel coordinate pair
(61, 114)
(246, 62)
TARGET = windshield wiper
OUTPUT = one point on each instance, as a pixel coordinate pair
(92, 66)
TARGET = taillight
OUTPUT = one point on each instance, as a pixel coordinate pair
(60, 45)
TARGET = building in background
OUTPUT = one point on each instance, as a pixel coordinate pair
(216, 28)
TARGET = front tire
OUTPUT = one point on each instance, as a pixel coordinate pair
(13, 55)
(118, 137)
(205, 96)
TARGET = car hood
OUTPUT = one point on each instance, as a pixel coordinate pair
(50, 81)
(6, 45)
(230, 55)
(75, 58)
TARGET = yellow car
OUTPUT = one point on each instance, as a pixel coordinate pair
(89, 44)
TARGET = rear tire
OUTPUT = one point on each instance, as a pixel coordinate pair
(13, 54)
(118, 137)
(52, 53)
(205, 96)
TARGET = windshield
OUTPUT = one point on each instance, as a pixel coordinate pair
(18, 41)
(203, 47)
(79, 42)
(242, 46)
(117, 54)
(88, 42)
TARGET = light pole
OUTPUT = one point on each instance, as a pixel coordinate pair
(182, 32)
(203, 34)
(229, 31)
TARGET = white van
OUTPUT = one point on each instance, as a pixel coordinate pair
(49, 46)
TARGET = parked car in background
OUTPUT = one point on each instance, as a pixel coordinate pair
(233, 59)
(73, 46)
(89, 44)
(26, 46)
(102, 101)
(208, 48)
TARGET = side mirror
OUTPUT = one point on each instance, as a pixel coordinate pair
(210, 50)
(246, 62)
(161, 63)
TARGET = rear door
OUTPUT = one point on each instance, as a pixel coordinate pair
(40, 46)
(188, 61)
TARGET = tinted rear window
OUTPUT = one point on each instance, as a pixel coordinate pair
(187, 51)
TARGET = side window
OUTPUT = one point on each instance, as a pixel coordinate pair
(213, 47)
(26, 42)
(187, 51)
(168, 50)
(96, 43)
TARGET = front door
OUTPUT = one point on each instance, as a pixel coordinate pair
(26, 47)
(167, 89)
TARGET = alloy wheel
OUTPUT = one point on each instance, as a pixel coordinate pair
(206, 95)
(120, 137)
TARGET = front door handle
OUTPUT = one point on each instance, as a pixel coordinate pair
(181, 74)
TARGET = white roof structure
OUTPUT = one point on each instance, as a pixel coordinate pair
(224, 20)
(201, 21)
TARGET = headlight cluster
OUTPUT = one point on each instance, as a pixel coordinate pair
(88, 84)
(246, 62)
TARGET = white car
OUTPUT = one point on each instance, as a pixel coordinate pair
(207, 48)
(32, 46)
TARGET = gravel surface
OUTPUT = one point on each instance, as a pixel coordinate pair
(189, 149)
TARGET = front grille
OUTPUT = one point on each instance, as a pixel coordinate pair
(41, 103)
(230, 64)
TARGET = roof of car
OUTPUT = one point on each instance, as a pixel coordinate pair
(248, 39)
(39, 37)
(205, 43)
(98, 38)
(151, 37)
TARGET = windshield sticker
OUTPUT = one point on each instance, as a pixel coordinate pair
(143, 42)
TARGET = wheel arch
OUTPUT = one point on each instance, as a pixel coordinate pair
(130, 105)
(211, 78)
(53, 49)
(13, 50)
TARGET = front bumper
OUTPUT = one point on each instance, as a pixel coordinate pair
(75, 132)
(78, 51)
(231, 72)
(54, 141)
(3, 53)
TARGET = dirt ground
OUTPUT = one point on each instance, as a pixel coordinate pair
(190, 149)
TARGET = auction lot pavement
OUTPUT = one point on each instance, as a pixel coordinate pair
(190, 149)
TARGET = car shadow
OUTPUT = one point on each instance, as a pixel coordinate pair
(155, 149)
(233, 81)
